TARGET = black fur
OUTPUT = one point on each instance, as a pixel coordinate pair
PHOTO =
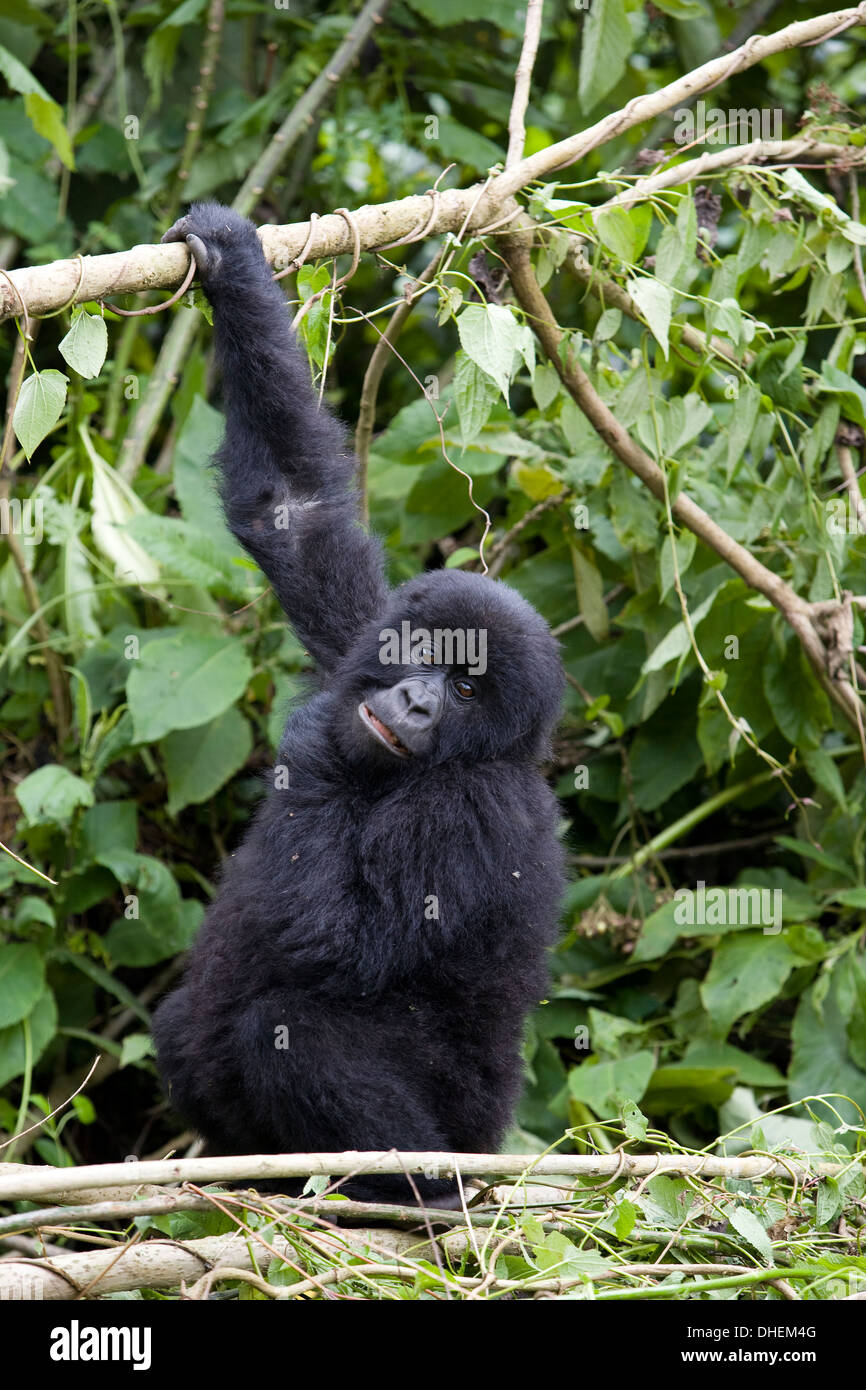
(404, 1030)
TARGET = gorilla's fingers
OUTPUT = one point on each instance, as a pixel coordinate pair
(206, 260)
(177, 231)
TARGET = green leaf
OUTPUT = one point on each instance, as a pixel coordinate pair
(475, 395)
(42, 1020)
(18, 77)
(654, 300)
(685, 544)
(836, 382)
(47, 120)
(590, 592)
(682, 1086)
(605, 47)
(748, 970)
(746, 1224)
(155, 936)
(199, 761)
(806, 850)
(677, 642)
(490, 336)
(51, 794)
(601, 1086)
(136, 1046)
(821, 1062)
(617, 232)
(22, 980)
(180, 682)
(39, 407)
(800, 707)
(626, 1216)
(86, 343)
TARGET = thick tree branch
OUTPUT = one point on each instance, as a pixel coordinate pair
(44, 288)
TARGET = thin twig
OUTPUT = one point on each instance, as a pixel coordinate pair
(522, 80)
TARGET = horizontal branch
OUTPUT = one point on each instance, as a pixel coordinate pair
(78, 279)
(44, 288)
(21, 1183)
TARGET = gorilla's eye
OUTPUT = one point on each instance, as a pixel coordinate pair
(464, 688)
(424, 656)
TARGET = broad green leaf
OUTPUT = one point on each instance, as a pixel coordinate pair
(19, 78)
(654, 301)
(39, 407)
(748, 970)
(51, 794)
(746, 1224)
(42, 1021)
(154, 936)
(22, 980)
(617, 232)
(537, 482)
(601, 1086)
(749, 1069)
(199, 761)
(683, 1086)
(47, 119)
(546, 385)
(180, 682)
(86, 343)
(475, 395)
(677, 642)
(800, 707)
(821, 1062)
(490, 335)
(852, 393)
(606, 42)
(136, 1046)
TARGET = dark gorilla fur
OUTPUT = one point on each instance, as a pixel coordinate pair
(403, 1030)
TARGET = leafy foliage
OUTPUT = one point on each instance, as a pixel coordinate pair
(698, 751)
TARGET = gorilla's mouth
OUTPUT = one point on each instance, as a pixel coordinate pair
(382, 732)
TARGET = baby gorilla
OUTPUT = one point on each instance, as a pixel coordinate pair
(362, 979)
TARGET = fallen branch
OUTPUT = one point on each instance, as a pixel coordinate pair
(20, 1183)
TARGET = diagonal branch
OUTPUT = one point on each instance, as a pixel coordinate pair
(776, 151)
(795, 610)
(682, 90)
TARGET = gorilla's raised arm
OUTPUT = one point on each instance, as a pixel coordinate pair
(286, 472)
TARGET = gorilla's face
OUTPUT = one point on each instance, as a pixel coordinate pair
(458, 666)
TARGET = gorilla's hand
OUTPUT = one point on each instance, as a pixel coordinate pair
(215, 235)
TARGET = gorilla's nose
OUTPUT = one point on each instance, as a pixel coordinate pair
(418, 701)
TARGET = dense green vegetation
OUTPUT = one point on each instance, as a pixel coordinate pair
(145, 669)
